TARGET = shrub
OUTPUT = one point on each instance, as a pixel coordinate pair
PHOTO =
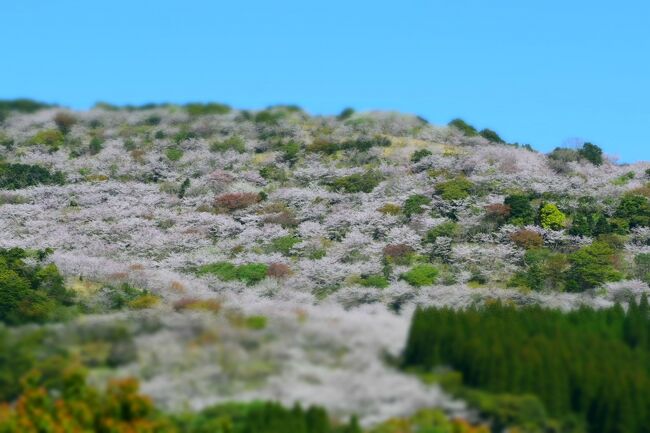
(521, 212)
(290, 151)
(278, 270)
(454, 189)
(256, 322)
(324, 146)
(418, 155)
(144, 301)
(95, 145)
(447, 229)
(52, 138)
(355, 183)
(378, 281)
(564, 154)
(421, 275)
(399, 254)
(249, 273)
(235, 143)
(491, 136)
(273, 172)
(415, 204)
(199, 109)
(252, 273)
(183, 135)
(17, 176)
(497, 212)
(390, 209)
(591, 153)
(64, 121)
(364, 144)
(237, 200)
(211, 305)
(550, 217)
(464, 127)
(173, 153)
(223, 270)
(183, 188)
(624, 179)
(527, 239)
(284, 244)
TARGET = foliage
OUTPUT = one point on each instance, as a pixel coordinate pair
(464, 127)
(550, 217)
(521, 212)
(64, 121)
(544, 270)
(527, 239)
(30, 293)
(558, 357)
(249, 273)
(490, 135)
(95, 145)
(418, 155)
(414, 205)
(237, 200)
(447, 229)
(18, 176)
(354, 183)
(199, 109)
(421, 275)
(635, 209)
(52, 138)
(8, 106)
(454, 189)
(378, 281)
(173, 153)
(235, 143)
(284, 244)
(591, 153)
(642, 267)
(346, 113)
(592, 266)
(399, 254)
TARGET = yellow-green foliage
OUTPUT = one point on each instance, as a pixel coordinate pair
(49, 137)
(144, 301)
(550, 217)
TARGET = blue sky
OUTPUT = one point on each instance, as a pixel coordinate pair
(536, 72)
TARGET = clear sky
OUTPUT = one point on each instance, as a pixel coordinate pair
(538, 72)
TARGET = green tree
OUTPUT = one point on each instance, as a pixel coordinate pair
(464, 127)
(591, 153)
(635, 209)
(550, 217)
(521, 212)
(592, 266)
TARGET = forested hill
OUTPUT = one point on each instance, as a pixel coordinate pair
(220, 255)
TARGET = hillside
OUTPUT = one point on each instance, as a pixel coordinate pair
(224, 255)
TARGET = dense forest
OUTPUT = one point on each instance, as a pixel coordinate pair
(594, 363)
